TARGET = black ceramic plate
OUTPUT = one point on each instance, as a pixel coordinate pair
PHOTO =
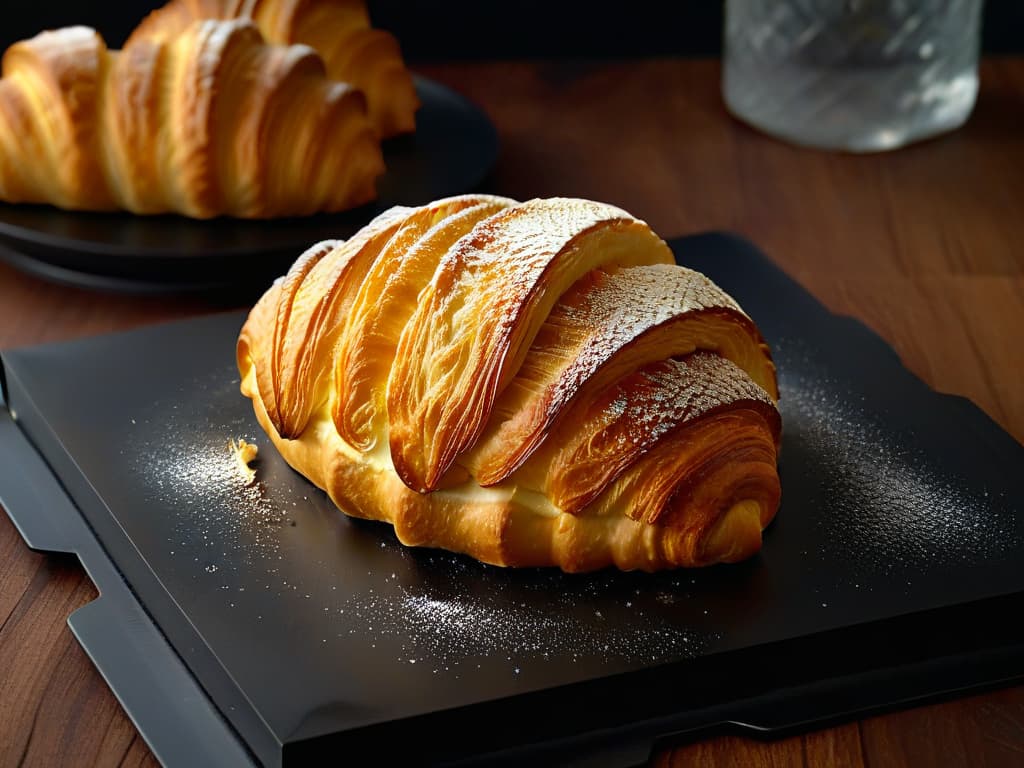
(887, 576)
(452, 150)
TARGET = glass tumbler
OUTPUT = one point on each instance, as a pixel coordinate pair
(855, 75)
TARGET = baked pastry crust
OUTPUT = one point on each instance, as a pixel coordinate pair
(532, 384)
(339, 30)
(213, 121)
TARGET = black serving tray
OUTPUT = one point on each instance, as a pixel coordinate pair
(452, 151)
(259, 624)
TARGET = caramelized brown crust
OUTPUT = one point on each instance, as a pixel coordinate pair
(608, 325)
(475, 321)
(210, 122)
(640, 452)
(339, 31)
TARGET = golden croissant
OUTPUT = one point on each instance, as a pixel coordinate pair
(532, 384)
(339, 30)
(212, 122)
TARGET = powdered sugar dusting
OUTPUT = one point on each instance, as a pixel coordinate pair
(645, 406)
(610, 311)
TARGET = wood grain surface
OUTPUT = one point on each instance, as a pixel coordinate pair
(925, 245)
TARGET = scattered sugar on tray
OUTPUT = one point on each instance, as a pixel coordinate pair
(205, 474)
(451, 629)
(884, 501)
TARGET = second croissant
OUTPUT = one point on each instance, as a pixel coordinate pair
(210, 122)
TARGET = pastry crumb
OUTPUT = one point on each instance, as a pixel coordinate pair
(244, 453)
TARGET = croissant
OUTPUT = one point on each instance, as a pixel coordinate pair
(212, 122)
(339, 30)
(532, 384)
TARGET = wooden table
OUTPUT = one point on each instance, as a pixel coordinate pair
(925, 245)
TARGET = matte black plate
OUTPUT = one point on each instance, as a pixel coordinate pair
(451, 152)
(887, 576)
